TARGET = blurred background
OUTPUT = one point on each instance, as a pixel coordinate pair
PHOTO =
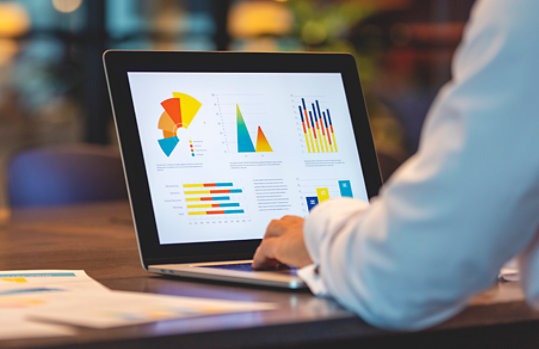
(52, 85)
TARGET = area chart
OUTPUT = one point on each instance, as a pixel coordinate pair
(245, 143)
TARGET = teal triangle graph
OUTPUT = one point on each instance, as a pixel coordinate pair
(245, 144)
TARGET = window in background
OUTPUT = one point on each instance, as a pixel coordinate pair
(403, 49)
(52, 87)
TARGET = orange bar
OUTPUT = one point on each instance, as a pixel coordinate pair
(215, 212)
(309, 128)
(314, 132)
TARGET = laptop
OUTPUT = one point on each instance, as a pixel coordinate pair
(217, 144)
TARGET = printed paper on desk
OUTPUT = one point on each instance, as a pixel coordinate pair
(112, 309)
(13, 325)
(25, 290)
(68, 280)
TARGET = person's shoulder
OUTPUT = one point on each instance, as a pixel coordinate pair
(513, 16)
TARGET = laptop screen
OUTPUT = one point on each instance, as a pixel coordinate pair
(225, 153)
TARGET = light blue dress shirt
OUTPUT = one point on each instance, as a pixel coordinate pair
(467, 202)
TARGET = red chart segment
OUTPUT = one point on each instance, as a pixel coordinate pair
(173, 108)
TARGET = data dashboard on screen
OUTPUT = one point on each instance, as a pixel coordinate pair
(225, 153)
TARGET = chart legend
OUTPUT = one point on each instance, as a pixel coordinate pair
(245, 143)
(317, 128)
(179, 112)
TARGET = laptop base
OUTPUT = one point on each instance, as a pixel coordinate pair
(285, 278)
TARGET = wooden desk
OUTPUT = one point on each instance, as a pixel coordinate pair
(99, 238)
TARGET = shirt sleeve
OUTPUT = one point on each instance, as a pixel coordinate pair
(468, 201)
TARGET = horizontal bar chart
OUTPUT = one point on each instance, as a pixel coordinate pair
(215, 212)
(209, 198)
(234, 204)
(207, 185)
(216, 191)
(202, 202)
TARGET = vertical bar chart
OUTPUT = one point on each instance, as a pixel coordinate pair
(212, 199)
(318, 191)
(317, 128)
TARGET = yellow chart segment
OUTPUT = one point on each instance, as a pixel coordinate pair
(18, 280)
(17, 302)
(323, 194)
(189, 107)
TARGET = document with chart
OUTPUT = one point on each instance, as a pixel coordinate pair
(228, 152)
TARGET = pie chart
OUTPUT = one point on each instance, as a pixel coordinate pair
(179, 111)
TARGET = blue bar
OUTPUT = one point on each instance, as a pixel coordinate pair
(312, 201)
(312, 123)
(217, 198)
(26, 275)
(303, 102)
(229, 205)
(223, 184)
(29, 290)
(301, 113)
(236, 191)
(325, 120)
(329, 117)
(318, 107)
(346, 189)
(233, 211)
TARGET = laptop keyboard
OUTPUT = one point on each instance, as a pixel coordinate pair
(248, 267)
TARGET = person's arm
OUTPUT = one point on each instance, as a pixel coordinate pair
(463, 205)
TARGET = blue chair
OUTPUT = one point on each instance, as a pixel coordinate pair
(66, 174)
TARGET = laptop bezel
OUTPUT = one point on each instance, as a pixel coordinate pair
(119, 62)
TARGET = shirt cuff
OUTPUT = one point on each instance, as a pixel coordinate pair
(327, 218)
(312, 278)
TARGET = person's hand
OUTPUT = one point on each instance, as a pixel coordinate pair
(283, 244)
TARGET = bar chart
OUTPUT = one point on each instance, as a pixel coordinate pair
(212, 199)
(342, 188)
(317, 127)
